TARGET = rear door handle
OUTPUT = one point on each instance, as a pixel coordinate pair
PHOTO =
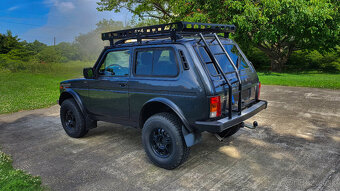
(122, 84)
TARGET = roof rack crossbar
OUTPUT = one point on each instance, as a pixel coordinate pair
(173, 30)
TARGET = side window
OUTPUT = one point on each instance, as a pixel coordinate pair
(236, 56)
(156, 63)
(164, 63)
(144, 63)
(116, 64)
(207, 60)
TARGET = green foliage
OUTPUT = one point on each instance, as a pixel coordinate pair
(161, 10)
(68, 51)
(49, 54)
(278, 28)
(35, 46)
(7, 63)
(314, 60)
(8, 42)
(21, 53)
(11, 179)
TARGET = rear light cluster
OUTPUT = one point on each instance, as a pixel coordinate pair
(258, 92)
(215, 107)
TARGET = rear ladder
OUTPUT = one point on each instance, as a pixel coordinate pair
(220, 71)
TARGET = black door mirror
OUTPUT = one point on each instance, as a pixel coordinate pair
(88, 73)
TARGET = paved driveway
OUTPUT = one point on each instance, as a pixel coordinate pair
(295, 147)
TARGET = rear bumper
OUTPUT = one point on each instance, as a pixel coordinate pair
(225, 123)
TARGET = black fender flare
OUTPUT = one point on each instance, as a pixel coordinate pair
(190, 137)
(173, 107)
(75, 96)
(67, 93)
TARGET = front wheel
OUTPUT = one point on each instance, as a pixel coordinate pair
(163, 141)
(72, 119)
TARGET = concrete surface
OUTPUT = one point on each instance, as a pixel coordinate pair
(296, 147)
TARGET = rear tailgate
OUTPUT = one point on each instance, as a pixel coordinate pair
(248, 76)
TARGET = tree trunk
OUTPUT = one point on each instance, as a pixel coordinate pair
(277, 63)
(278, 56)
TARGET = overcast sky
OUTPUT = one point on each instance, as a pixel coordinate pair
(44, 19)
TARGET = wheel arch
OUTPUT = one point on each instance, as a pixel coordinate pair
(157, 105)
(69, 93)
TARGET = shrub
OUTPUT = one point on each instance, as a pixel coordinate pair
(49, 54)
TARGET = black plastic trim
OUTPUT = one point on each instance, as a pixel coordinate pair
(225, 123)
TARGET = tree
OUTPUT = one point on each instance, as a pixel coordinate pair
(162, 10)
(8, 42)
(90, 45)
(49, 55)
(68, 51)
(35, 46)
(276, 27)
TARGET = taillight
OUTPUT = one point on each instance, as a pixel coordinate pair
(215, 106)
(258, 92)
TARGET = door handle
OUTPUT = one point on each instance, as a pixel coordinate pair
(122, 84)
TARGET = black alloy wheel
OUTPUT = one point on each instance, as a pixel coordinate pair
(70, 120)
(161, 142)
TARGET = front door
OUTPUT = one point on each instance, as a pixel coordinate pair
(108, 93)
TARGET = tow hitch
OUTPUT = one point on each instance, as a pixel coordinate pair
(228, 132)
(255, 124)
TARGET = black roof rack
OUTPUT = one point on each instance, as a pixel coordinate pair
(173, 30)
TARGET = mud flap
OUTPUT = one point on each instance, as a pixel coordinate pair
(191, 138)
(90, 124)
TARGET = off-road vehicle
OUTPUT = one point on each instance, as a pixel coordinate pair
(174, 81)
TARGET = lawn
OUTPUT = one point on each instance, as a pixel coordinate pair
(32, 90)
(16, 180)
(312, 79)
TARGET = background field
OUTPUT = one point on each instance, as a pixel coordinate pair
(27, 90)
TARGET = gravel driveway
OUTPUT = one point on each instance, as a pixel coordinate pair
(295, 147)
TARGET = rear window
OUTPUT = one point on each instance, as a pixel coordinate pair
(236, 56)
(222, 58)
(158, 62)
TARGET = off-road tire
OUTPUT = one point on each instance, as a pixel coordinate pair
(78, 128)
(230, 131)
(179, 152)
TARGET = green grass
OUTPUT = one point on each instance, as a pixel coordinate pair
(13, 180)
(31, 90)
(313, 80)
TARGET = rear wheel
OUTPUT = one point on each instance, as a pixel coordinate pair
(163, 141)
(72, 119)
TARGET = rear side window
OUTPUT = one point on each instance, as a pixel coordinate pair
(236, 56)
(158, 62)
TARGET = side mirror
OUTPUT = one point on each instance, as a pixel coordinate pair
(88, 73)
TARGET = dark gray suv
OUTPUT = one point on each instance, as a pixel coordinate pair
(174, 81)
